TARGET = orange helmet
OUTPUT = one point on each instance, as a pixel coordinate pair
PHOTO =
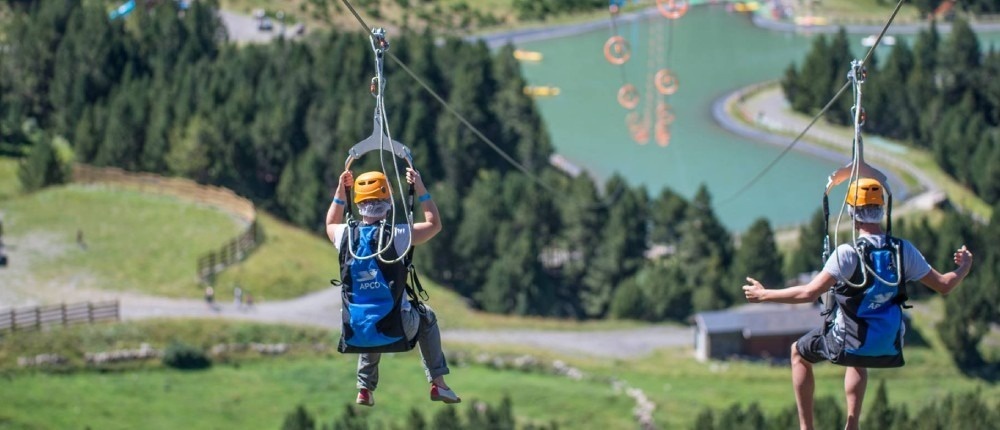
(865, 191)
(371, 186)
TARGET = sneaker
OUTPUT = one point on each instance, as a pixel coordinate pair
(365, 398)
(439, 394)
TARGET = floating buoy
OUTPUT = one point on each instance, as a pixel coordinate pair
(616, 50)
(522, 55)
(541, 91)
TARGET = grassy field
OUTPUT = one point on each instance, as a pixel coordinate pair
(258, 395)
(255, 392)
(132, 241)
(9, 185)
(149, 244)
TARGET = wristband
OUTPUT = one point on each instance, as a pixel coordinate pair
(339, 201)
(424, 198)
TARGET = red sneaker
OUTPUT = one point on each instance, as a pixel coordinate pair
(439, 394)
(365, 398)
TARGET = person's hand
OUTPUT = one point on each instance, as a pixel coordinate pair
(963, 257)
(347, 179)
(413, 178)
(753, 291)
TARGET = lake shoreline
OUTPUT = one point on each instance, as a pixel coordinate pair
(759, 20)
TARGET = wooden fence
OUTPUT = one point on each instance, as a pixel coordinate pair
(212, 262)
(231, 253)
(33, 318)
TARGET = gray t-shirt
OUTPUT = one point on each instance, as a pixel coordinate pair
(842, 264)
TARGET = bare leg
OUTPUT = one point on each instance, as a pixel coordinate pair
(855, 383)
(804, 385)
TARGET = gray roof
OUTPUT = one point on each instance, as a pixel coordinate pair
(761, 320)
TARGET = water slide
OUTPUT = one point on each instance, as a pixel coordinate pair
(123, 10)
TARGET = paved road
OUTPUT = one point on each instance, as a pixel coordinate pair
(322, 309)
(774, 121)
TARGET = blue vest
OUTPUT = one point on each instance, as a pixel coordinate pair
(868, 321)
(372, 292)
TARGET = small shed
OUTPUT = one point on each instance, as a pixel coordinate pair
(763, 330)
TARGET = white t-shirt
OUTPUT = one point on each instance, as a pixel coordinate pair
(842, 264)
(401, 237)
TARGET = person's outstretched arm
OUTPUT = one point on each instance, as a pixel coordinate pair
(945, 283)
(431, 225)
(755, 292)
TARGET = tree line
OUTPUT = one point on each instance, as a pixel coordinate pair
(954, 411)
(165, 93)
(941, 94)
(478, 415)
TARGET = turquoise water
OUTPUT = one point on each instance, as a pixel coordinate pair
(713, 52)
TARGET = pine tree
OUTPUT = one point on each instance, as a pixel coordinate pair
(705, 253)
(814, 78)
(581, 214)
(807, 256)
(959, 59)
(667, 290)
(484, 212)
(629, 302)
(49, 162)
(880, 414)
(758, 256)
(299, 419)
(447, 419)
(667, 215)
(621, 251)
(837, 66)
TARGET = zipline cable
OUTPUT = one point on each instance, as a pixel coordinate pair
(452, 110)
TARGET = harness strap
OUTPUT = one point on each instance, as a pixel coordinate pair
(902, 297)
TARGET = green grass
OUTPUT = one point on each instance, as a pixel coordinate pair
(291, 262)
(134, 241)
(150, 243)
(255, 392)
(258, 392)
(258, 395)
(10, 186)
(73, 342)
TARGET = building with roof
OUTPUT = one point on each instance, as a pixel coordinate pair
(762, 330)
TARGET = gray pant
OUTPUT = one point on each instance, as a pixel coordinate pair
(428, 338)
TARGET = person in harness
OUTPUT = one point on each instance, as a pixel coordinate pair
(864, 327)
(377, 315)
